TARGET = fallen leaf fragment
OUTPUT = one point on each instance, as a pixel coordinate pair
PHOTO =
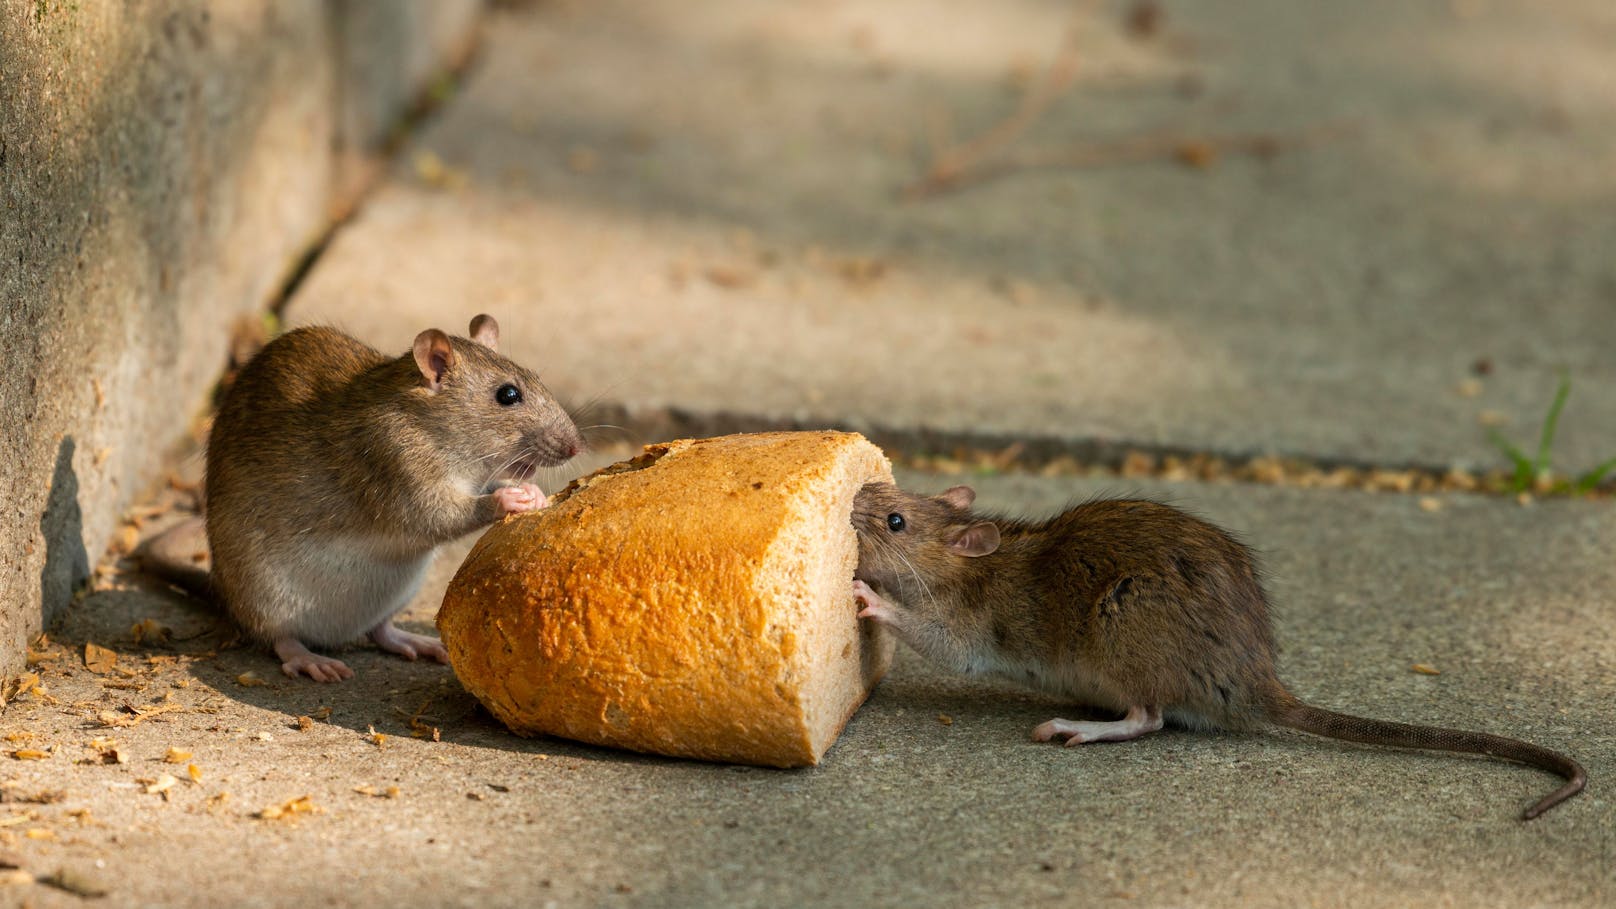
(250, 680)
(161, 784)
(391, 792)
(216, 801)
(380, 739)
(40, 833)
(290, 808)
(730, 278)
(1425, 669)
(324, 713)
(945, 719)
(75, 882)
(15, 876)
(99, 659)
(150, 631)
(176, 756)
(194, 772)
(1430, 503)
(30, 754)
(303, 724)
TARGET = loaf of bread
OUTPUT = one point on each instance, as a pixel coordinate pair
(694, 601)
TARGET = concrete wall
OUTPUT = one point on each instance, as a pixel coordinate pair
(162, 167)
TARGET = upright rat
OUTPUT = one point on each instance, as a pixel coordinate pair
(1129, 605)
(334, 472)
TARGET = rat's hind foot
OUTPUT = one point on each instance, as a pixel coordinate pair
(1139, 721)
(406, 644)
(299, 660)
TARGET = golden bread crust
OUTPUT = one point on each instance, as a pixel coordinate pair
(693, 602)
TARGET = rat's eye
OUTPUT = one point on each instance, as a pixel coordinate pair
(895, 522)
(508, 395)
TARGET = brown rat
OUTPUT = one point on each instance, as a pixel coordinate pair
(334, 472)
(1129, 605)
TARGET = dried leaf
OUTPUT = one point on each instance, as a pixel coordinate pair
(324, 713)
(15, 876)
(99, 659)
(250, 680)
(216, 801)
(378, 738)
(76, 883)
(194, 772)
(945, 719)
(40, 833)
(1430, 503)
(290, 808)
(150, 631)
(30, 754)
(303, 724)
(1425, 669)
(161, 784)
(730, 278)
(176, 756)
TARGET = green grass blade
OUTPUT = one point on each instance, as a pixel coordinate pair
(1522, 464)
(1591, 479)
(1541, 464)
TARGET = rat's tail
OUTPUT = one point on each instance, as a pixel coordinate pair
(1286, 710)
(178, 555)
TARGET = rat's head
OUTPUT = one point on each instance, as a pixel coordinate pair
(913, 545)
(486, 406)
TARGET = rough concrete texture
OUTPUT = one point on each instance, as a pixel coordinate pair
(935, 793)
(696, 207)
(162, 167)
(386, 52)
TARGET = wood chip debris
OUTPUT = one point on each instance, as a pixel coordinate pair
(75, 882)
(1264, 469)
(151, 631)
(99, 659)
(289, 809)
(134, 716)
(161, 785)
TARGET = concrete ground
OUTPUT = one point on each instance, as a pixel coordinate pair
(693, 217)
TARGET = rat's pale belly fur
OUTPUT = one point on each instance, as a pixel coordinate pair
(330, 593)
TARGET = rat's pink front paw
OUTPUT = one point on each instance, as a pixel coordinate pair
(874, 608)
(517, 499)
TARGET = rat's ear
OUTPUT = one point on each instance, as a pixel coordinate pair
(960, 497)
(485, 331)
(979, 539)
(434, 356)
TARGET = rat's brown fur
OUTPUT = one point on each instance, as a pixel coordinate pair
(334, 472)
(1119, 603)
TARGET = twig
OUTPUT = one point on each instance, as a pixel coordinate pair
(1192, 150)
(952, 165)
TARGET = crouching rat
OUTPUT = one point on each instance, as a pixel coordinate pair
(334, 472)
(1129, 605)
